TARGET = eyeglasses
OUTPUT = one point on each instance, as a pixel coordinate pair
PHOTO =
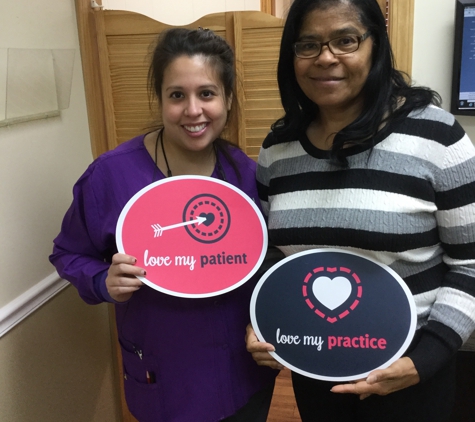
(337, 46)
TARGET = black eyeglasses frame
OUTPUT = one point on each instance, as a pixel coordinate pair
(360, 39)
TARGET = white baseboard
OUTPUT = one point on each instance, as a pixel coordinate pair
(28, 302)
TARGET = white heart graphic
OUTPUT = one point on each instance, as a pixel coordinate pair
(331, 292)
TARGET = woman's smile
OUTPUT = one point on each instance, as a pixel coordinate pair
(196, 129)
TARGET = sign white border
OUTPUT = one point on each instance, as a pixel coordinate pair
(397, 355)
(140, 193)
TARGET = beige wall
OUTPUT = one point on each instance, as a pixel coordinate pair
(39, 160)
(282, 8)
(180, 12)
(56, 364)
(433, 51)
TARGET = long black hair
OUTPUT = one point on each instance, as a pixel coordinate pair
(383, 90)
(176, 42)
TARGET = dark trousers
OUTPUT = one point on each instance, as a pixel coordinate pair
(256, 409)
(464, 409)
(431, 401)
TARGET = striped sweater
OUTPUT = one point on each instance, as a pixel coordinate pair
(409, 203)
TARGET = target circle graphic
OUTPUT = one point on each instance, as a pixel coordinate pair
(218, 218)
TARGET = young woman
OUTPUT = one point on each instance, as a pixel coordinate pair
(184, 359)
(365, 162)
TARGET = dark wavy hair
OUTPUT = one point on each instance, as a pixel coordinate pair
(177, 42)
(383, 90)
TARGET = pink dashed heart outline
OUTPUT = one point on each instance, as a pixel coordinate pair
(317, 311)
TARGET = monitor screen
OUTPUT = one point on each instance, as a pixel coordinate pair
(463, 78)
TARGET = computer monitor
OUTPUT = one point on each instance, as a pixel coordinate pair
(463, 76)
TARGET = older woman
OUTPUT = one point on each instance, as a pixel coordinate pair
(364, 161)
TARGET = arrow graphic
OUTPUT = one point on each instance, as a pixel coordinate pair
(158, 229)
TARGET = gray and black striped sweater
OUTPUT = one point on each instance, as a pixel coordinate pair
(409, 203)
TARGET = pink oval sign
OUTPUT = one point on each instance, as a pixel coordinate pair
(195, 236)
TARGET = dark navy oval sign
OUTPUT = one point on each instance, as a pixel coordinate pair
(333, 315)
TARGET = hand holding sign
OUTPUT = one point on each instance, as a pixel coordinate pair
(122, 281)
(399, 375)
(260, 350)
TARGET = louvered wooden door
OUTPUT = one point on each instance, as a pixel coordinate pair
(125, 41)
